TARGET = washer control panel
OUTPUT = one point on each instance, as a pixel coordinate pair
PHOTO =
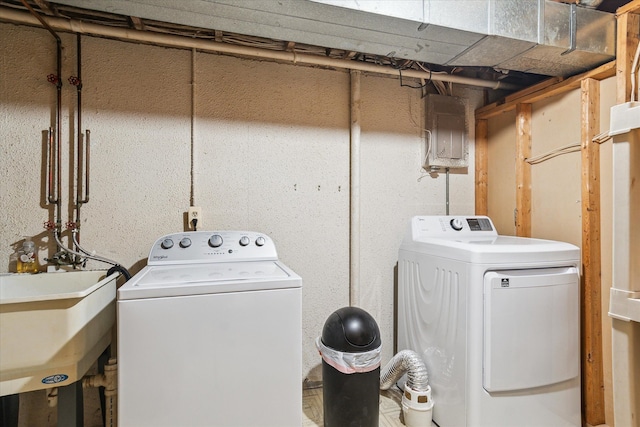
(212, 246)
(452, 226)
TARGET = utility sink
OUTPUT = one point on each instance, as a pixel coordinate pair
(53, 327)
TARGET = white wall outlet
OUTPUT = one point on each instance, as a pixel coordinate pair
(194, 213)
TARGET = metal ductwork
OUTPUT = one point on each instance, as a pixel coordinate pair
(533, 36)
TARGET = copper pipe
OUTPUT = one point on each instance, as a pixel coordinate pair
(81, 165)
(44, 23)
(57, 200)
(50, 154)
(87, 165)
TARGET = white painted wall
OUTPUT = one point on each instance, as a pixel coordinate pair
(271, 155)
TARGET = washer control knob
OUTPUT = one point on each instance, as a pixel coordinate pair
(244, 241)
(260, 241)
(185, 242)
(456, 224)
(215, 241)
(166, 244)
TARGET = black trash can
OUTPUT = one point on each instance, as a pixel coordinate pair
(350, 347)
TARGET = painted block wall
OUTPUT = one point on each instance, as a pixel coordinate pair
(270, 154)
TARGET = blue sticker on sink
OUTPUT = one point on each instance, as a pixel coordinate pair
(55, 379)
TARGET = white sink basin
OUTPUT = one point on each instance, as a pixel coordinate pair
(53, 327)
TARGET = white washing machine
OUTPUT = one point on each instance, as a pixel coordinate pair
(496, 320)
(210, 334)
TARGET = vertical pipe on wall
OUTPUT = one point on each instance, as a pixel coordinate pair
(58, 81)
(626, 233)
(354, 191)
(626, 279)
(447, 192)
(58, 135)
(193, 125)
(80, 150)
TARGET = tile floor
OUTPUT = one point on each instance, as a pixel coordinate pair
(389, 408)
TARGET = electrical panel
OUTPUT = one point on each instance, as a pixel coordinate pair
(446, 140)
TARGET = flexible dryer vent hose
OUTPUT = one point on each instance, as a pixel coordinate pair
(417, 405)
(405, 361)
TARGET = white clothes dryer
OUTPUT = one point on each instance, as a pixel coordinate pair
(496, 320)
(210, 334)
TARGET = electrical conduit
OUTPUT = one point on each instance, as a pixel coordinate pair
(354, 191)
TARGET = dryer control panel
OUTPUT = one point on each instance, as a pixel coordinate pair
(452, 226)
(212, 246)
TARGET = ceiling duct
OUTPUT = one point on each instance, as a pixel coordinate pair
(532, 36)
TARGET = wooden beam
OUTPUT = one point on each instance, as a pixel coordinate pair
(545, 90)
(482, 166)
(592, 365)
(628, 37)
(531, 90)
(523, 170)
(631, 7)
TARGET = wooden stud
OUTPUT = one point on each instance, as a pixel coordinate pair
(482, 166)
(592, 365)
(523, 170)
(628, 38)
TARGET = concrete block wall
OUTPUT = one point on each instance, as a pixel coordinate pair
(270, 154)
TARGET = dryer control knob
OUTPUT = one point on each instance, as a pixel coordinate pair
(166, 244)
(215, 241)
(260, 241)
(185, 242)
(244, 241)
(456, 224)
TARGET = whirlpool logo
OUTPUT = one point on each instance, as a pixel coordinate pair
(55, 379)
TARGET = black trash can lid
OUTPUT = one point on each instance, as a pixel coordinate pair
(351, 330)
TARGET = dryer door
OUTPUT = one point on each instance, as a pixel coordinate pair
(531, 328)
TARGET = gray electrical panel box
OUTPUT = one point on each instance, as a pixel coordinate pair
(446, 142)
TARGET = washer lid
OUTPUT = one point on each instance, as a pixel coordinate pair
(495, 250)
(475, 240)
(198, 279)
